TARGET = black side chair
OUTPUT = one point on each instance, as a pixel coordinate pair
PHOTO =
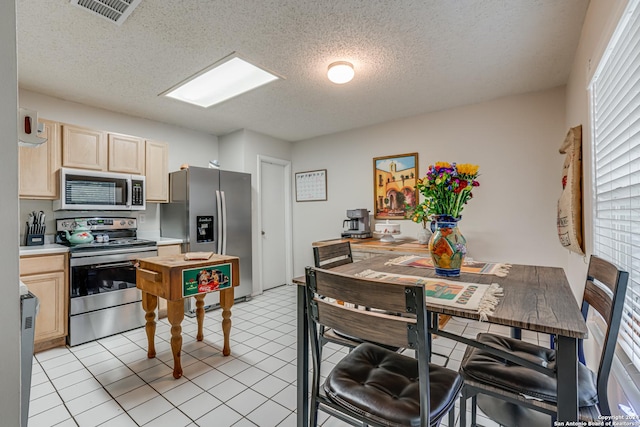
(372, 385)
(499, 387)
(332, 255)
(327, 257)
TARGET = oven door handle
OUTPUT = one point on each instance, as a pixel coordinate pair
(115, 264)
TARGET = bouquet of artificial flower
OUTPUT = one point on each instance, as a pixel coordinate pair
(447, 187)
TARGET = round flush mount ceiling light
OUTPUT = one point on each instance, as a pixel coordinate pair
(340, 72)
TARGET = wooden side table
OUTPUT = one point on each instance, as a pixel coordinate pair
(172, 278)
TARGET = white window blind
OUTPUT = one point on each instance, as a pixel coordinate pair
(615, 111)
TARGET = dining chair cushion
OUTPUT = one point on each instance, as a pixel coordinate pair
(490, 369)
(383, 385)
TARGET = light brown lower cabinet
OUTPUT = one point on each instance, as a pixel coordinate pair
(164, 251)
(46, 277)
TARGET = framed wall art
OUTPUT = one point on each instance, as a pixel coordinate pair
(311, 186)
(394, 181)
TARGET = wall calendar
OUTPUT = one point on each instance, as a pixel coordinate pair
(311, 186)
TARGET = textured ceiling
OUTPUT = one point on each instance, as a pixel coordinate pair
(410, 57)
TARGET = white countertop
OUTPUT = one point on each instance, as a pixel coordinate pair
(163, 241)
(155, 236)
(48, 249)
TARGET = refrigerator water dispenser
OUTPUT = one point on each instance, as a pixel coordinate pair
(205, 229)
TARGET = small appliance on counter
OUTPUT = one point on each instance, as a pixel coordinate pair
(386, 230)
(356, 226)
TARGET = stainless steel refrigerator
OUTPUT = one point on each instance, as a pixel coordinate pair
(210, 209)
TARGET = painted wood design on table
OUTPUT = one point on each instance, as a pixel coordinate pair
(163, 277)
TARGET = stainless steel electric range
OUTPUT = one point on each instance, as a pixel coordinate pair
(104, 299)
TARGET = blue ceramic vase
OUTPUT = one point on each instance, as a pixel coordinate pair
(447, 246)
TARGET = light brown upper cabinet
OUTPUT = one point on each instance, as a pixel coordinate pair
(126, 154)
(157, 171)
(84, 148)
(39, 165)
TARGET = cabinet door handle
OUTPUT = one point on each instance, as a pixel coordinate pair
(116, 264)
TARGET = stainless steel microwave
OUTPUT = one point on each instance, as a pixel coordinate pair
(92, 190)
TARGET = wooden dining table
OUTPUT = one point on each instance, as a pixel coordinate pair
(536, 298)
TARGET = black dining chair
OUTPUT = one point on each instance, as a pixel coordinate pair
(372, 385)
(515, 395)
(330, 256)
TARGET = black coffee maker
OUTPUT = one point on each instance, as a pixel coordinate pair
(356, 226)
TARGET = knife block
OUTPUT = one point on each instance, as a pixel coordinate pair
(34, 239)
(34, 236)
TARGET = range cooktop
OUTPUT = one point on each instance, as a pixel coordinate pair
(109, 233)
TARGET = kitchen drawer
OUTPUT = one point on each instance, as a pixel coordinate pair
(42, 264)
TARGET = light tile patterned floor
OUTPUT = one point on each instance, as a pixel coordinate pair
(111, 382)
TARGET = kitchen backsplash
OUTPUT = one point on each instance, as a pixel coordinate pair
(148, 220)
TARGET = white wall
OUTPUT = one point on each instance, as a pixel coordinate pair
(515, 140)
(9, 297)
(185, 145)
(239, 152)
(231, 151)
(600, 21)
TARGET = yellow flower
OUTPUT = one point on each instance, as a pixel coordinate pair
(443, 164)
(467, 169)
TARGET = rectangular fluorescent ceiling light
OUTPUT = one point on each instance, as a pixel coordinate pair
(220, 82)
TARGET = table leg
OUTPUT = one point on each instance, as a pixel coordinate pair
(432, 321)
(200, 315)
(516, 333)
(567, 372)
(149, 304)
(226, 302)
(175, 314)
(303, 360)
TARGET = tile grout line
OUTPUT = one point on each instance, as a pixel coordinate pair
(285, 360)
(57, 392)
(206, 391)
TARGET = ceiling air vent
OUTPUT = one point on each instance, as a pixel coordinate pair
(115, 11)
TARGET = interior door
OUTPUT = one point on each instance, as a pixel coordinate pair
(272, 199)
